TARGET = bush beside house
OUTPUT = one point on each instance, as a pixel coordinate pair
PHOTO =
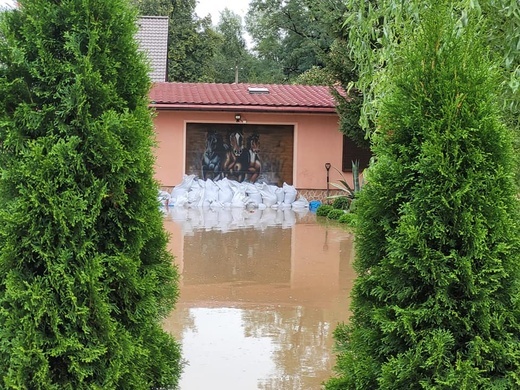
(436, 301)
(85, 274)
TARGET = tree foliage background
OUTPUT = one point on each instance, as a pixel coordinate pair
(290, 41)
(345, 44)
(375, 28)
(85, 275)
(436, 301)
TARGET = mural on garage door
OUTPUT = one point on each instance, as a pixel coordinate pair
(253, 153)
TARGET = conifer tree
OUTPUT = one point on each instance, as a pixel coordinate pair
(436, 301)
(85, 275)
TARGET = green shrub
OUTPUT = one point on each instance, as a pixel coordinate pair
(435, 304)
(348, 219)
(85, 274)
(341, 203)
(323, 210)
(335, 214)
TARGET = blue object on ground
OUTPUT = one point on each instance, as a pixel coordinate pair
(314, 204)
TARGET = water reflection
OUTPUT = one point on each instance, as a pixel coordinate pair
(259, 303)
(226, 219)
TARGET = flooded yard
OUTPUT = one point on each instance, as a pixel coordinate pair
(261, 293)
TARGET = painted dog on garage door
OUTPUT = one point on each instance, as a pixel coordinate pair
(213, 156)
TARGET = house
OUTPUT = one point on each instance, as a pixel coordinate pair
(259, 133)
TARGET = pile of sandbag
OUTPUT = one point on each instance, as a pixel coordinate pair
(194, 193)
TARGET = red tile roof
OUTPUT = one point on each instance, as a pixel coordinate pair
(230, 97)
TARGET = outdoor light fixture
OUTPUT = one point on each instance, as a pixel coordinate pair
(327, 167)
(238, 117)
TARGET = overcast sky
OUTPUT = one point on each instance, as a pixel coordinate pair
(204, 7)
(6, 3)
(213, 7)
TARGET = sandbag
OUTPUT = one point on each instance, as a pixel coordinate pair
(194, 196)
(268, 195)
(289, 194)
(239, 199)
(254, 194)
(301, 203)
(225, 194)
(211, 192)
(180, 191)
(195, 192)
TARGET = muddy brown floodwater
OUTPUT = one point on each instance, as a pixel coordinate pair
(260, 295)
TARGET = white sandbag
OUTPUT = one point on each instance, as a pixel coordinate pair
(269, 200)
(187, 182)
(195, 192)
(301, 203)
(163, 195)
(196, 184)
(223, 183)
(251, 205)
(178, 191)
(181, 201)
(239, 200)
(181, 190)
(248, 186)
(254, 195)
(164, 198)
(225, 193)
(194, 196)
(268, 195)
(289, 194)
(202, 197)
(236, 186)
(211, 192)
(204, 203)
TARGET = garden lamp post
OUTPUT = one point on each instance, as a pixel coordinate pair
(327, 167)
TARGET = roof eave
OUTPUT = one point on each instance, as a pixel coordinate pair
(242, 108)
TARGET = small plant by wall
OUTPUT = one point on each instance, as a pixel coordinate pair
(335, 214)
(323, 210)
(348, 219)
(348, 194)
(341, 203)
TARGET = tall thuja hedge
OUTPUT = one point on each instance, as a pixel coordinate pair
(436, 301)
(85, 275)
